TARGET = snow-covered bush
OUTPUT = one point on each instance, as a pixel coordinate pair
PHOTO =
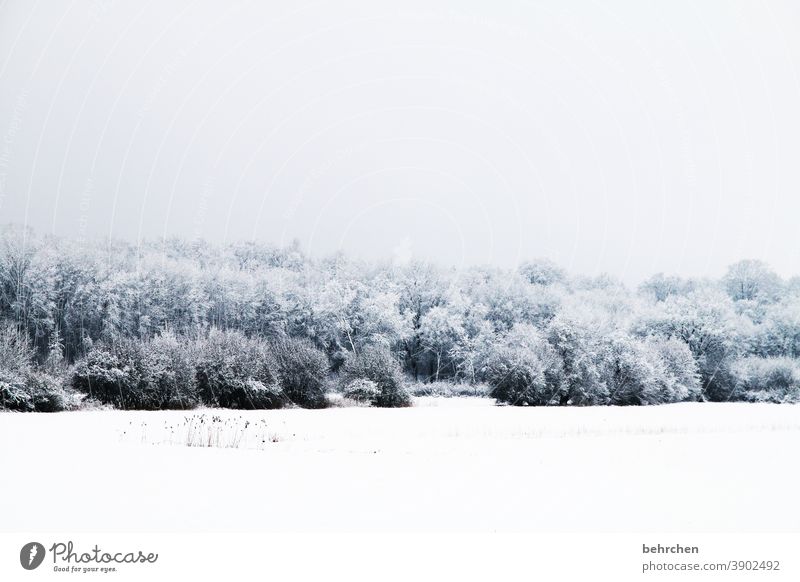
(521, 370)
(303, 371)
(13, 392)
(30, 391)
(629, 370)
(234, 371)
(36, 391)
(679, 379)
(363, 391)
(23, 387)
(779, 333)
(582, 379)
(48, 394)
(376, 363)
(104, 377)
(448, 389)
(129, 374)
(168, 372)
(15, 349)
(618, 369)
(767, 379)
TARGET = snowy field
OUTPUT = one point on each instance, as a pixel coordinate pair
(446, 464)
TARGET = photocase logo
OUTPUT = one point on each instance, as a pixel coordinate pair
(31, 555)
(84, 560)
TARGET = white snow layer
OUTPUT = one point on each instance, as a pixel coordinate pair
(445, 464)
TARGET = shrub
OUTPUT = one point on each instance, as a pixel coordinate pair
(111, 376)
(31, 391)
(13, 392)
(447, 389)
(22, 388)
(16, 353)
(376, 363)
(99, 371)
(653, 371)
(633, 374)
(303, 371)
(234, 371)
(767, 379)
(363, 391)
(521, 369)
(579, 349)
(680, 375)
(153, 375)
(48, 394)
(168, 372)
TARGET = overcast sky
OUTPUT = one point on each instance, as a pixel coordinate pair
(621, 137)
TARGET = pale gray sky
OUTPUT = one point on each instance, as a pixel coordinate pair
(627, 137)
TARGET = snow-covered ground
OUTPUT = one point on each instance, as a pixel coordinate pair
(445, 464)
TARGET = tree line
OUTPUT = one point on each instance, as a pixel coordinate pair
(102, 318)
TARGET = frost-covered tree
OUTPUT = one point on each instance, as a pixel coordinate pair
(303, 370)
(649, 372)
(706, 321)
(440, 330)
(522, 368)
(680, 376)
(752, 280)
(508, 299)
(421, 287)
(475, 336)
(580, 346)
(659, 287)
(779, 331)
(542, 272)
(234, 371)
(378, 365)
(767, 379)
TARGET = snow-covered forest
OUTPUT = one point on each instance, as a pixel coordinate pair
(179, 324)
